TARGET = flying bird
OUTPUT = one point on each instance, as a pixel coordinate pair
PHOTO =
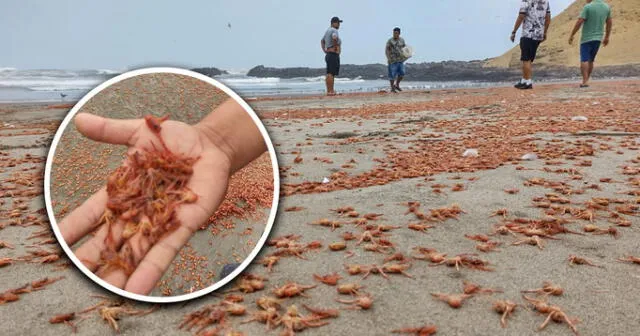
(229, 25)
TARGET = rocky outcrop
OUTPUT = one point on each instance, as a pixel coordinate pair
(446, 71)
(210, 71)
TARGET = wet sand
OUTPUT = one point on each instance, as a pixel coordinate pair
(380, 151)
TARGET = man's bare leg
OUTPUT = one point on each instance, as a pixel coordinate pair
(329, 82)
(584, 68)
(398, 83)
(527, 70)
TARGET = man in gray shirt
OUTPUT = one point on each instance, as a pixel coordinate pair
(395, 59)
(331, 45)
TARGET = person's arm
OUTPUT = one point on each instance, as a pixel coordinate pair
(521, 16)
(232, 129)
(547, 23)
(387, 51)
(322, 46)
(336, 46)
(605, 42)
(519, 21)
(576, 27)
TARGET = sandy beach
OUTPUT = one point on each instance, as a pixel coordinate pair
(380, 154)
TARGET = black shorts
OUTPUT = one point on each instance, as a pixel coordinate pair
(333, 63)
(528, 48)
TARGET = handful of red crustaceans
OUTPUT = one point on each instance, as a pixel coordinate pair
(144, 195)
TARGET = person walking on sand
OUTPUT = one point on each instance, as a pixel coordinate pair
(592, 19)
(535, 17)
(331, 46)
(395, 59)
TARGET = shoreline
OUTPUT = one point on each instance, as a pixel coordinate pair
(310, 95)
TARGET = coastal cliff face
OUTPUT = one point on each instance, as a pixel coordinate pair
(445, 71)
(623, 48)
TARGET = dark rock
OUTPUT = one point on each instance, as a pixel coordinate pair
(227, 269)
(210, 71)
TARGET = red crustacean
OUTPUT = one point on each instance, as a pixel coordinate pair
(329, 279)
(291, 289)
(145, 194)
(426, 330)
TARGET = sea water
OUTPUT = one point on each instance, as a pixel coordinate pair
(18, 85)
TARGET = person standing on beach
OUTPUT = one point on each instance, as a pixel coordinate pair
(535, 17)
(395, 59)
(331, 45)
(592, 19)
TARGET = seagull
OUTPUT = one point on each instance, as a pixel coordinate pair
(229, 25)
(62, 95)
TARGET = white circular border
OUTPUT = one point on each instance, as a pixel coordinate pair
(160, 299)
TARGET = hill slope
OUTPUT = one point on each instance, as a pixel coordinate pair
(623, 47)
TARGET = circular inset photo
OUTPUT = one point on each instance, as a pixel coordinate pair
(161, 185)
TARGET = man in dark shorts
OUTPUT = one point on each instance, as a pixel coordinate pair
(331, 45)
(592, 19)
(535, 17)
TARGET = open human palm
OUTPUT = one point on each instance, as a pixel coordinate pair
(209, 182)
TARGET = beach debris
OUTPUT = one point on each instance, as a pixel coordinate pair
(471, 152)
(268, 316)
(468, 260)
(469, 287)
(555, 313)
(329, 279)
(533, 240)
(506, 308)
(337, 246)
(360, 302)
(325, 180)
(292, 321)
(426, 330)
(631, 259)
(292, 289)
(529, 157)
(579, 118)
(575, 260)
(453, 300)
(269, 261)
(548, 288)
(349, 288)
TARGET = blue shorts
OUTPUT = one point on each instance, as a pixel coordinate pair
(395, 70)
(589, 50)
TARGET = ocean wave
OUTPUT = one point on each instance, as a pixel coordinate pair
(107, 72)
(43, 84)
(250, 80)
(339, 79)
(7, 69)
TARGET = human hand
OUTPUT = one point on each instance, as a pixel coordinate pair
(570, 40)
(605, 42)
(544, 38)
(513, 37)
(209, 182)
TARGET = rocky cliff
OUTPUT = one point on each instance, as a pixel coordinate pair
(445, 71)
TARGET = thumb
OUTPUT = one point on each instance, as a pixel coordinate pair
(113, 131)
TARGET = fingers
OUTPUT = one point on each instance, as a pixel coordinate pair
(90, 251)
(84, 218)
(157, 261)
(113, 131)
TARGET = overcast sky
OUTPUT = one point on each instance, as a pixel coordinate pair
(127, 34)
